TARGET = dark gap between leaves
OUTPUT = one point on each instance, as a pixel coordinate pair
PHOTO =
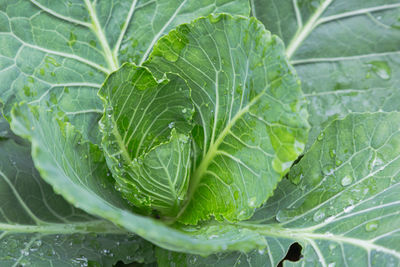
(293, 254)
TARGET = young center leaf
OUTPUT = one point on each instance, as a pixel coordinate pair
(77, 170)
(250, 114)
(146, 138)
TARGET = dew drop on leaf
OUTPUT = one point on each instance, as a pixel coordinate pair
(192, 259)
(24, 252)
(319, 216)
(282, 216)
(371, 226)
(212, 236)
(320, 136)
(381, 68)
(347, 180)
(348, 209)
(252, 202)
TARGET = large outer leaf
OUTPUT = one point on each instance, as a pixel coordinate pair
(77, 170)
(344, 210)
(146, 131)
(249, 107)
(39, 228)
(62, 50)
(346, 53)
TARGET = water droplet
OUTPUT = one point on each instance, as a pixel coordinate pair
(252, 202)
(338, 162)
(328, 170)
(332, 264)
(348, 209)
(329, 219)
(24, 252)
(212, 236)
(192, 259)
(184, 110)
(282, 216)
(320, 136)
(171, 125)
(296, 179)
(347, 180)
(319, 216)
(371, 226)
(332, 153)
(377, 162)
(381, 68)
(262, 251)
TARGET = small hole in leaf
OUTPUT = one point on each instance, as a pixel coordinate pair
(293, 254)
(133, 264)
(294, 163)
(297, 160)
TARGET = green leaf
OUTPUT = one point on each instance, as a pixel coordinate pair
(39, 228)
(265, 257)
(249, 109)
(146, 130)
(342, 204)
(61, 51)
(345, 207)
(77, 170)
(345, 52)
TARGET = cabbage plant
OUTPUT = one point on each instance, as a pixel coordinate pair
(199, 133)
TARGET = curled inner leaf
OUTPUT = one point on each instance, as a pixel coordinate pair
(146, 131)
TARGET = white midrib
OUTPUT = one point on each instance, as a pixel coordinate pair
(306, 236)
(62, 228)
(303, 32)
(112, 61)
(160, 32)
(213, 151)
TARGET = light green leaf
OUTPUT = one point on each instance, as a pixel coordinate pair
(61, 51)
(146, 130)
(249, 108)
(77, 170)
(344, 206)
(345, 52)
(39, 228)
